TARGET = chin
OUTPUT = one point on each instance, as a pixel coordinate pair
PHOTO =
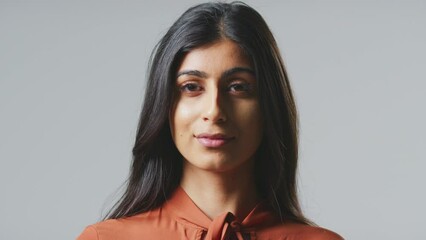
(219, 165)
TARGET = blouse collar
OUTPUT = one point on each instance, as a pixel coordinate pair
(185, 211)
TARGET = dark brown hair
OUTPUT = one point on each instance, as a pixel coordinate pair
(157, 165)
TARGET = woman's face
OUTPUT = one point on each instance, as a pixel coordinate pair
(216, 122)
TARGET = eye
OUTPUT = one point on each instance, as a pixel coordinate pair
(240, 87)
(190, 87)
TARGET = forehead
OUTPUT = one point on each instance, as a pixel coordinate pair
(219, 55)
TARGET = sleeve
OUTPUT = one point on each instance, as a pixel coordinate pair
(327, 235)
(318, 233)
(89, 233)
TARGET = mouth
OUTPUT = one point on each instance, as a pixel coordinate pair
(213, 140)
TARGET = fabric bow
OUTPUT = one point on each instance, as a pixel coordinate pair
(226, 227)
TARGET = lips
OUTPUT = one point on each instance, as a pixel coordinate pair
(213, 140)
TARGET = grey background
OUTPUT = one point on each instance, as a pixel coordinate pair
(72, 77)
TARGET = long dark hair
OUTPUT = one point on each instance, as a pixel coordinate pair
(157, 165)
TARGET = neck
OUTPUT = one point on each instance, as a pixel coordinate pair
(218, 192)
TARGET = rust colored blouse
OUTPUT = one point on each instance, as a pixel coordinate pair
(180, 218)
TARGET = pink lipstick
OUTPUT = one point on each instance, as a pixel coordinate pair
(213, 140)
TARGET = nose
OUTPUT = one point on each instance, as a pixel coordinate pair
(214, 108)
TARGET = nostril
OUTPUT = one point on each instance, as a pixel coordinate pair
(215, 116)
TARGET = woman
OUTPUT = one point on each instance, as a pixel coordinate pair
(215, 155)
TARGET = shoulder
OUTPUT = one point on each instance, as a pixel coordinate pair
(307, 232)
(301, 232)
(124, 228)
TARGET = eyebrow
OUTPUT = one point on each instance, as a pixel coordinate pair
(192, 73)
(225, 74)
(234, 70)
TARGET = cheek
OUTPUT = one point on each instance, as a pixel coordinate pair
(182, 117)
(251, 123)
(249, 114)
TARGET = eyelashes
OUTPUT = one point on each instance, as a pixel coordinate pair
(240, 87)
(190, 87)
(235, 88)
